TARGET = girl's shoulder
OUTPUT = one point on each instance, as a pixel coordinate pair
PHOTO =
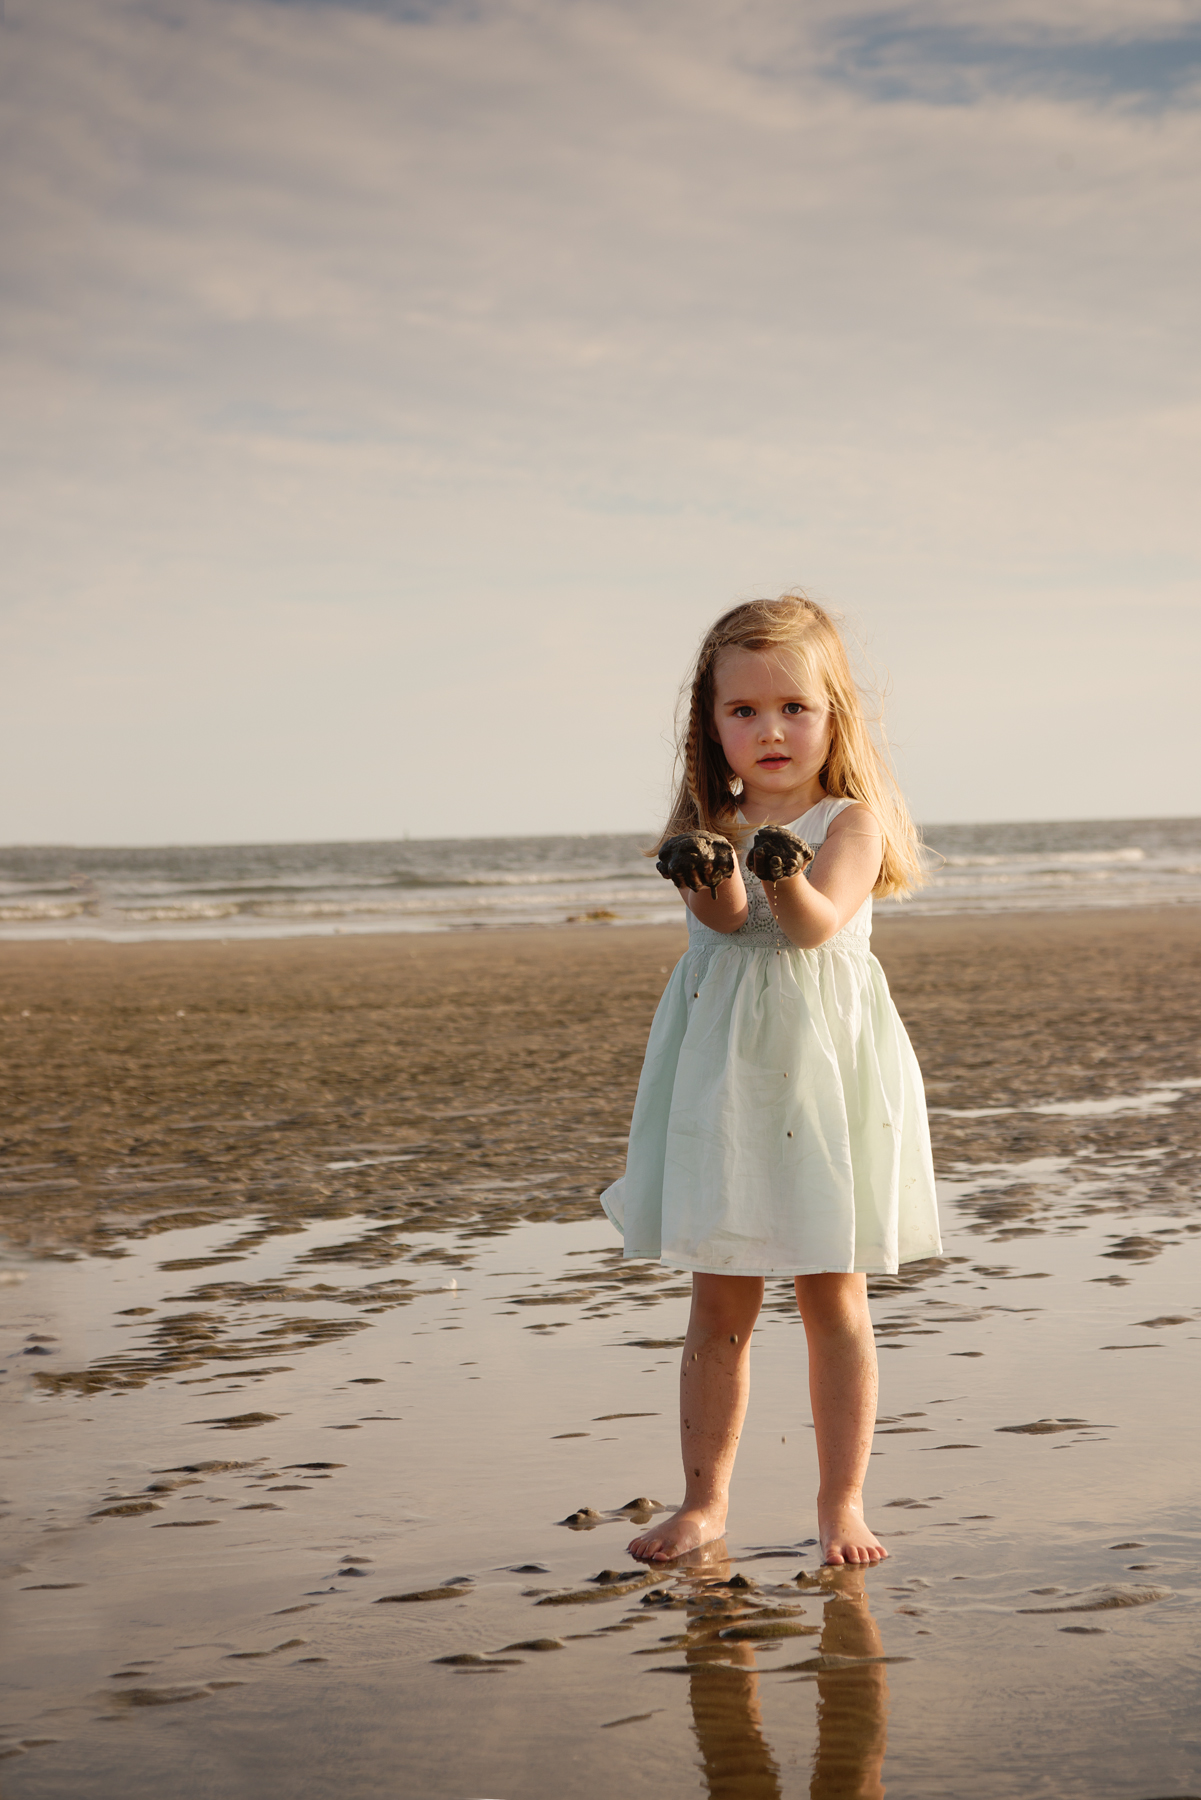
(818, 820)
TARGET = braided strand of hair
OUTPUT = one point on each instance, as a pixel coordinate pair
(692, 757)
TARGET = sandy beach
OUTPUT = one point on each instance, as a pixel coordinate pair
(274, 1176)
(209, 1078)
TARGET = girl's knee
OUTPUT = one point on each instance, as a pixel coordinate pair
(725, 1304)
(832, 1300)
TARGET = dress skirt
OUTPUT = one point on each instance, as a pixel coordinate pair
(780, 1125)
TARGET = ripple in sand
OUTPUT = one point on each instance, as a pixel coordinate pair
(821, 1664)
(217, 1467)
(455, 1589)
(589, 1596)
(764, 1630)
(1105, 1599)
(172, 1696)
(1046, 1427)
(256, 1655)
(1134, 1249)
(197, 1262)
(471, 1659)
(241, 1421)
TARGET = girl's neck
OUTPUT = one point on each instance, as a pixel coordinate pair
(760, 808)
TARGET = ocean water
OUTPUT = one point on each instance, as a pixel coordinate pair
(455, 884)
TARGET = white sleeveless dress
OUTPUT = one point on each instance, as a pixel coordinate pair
(780, 1124)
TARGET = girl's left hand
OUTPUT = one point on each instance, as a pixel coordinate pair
(778, 853)
(811, 907)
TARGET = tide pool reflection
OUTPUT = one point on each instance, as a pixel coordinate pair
(852, 1700)
(727, 1627)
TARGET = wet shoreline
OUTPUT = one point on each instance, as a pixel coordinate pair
(193, 892)
(302, 1247)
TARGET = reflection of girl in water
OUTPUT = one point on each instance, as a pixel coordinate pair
(780, 1125)
(852, 1708)
(852, 1701)
(729, 1727)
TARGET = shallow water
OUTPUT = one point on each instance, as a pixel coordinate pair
(1037, 1616)
(282, 890)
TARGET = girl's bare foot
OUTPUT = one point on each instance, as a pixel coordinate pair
(686, 1530)
(845, 1537)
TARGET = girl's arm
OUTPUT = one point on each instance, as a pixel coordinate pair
(811, 908)
(730, 908)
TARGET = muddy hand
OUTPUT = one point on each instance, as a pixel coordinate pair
(697, 859)
(777, 853)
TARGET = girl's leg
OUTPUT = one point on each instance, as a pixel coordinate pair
(714, 1386)
(843, 1383)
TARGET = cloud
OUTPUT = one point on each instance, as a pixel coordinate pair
(475, 359)
(903, 56)
(406, 12)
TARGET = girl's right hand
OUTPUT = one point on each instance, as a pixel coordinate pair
(696, 860)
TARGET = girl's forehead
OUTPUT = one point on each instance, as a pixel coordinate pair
(774, 671)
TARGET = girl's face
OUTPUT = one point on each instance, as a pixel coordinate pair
(773, 726)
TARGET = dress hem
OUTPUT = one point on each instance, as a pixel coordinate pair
(675, 1262)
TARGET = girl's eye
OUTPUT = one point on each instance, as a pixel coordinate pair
(744, 712)
(793, 706)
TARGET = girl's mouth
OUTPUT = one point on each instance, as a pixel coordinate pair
(773, 762)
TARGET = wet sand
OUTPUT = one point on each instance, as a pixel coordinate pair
(149, 1084)
(251, 1191)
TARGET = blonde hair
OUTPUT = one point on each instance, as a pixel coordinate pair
(857, 768)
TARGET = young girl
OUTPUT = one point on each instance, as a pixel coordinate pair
(780, 1125)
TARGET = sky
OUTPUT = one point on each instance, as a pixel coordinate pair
(395, 390)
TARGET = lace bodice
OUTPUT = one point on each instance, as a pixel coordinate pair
(760, 932)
